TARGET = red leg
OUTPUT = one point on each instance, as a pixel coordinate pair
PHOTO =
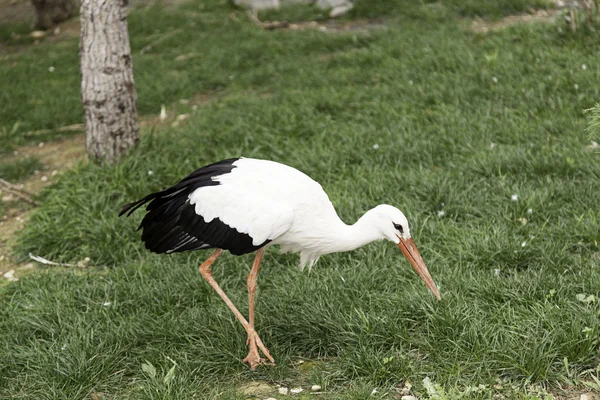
(251, 281)
(255, 342)
(253, 356)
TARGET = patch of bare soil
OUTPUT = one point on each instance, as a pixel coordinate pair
(478, 25)
(56, 157)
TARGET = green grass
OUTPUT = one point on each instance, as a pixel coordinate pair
(19, 169)
(424, 91)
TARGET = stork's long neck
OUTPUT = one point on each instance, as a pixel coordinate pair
(349, 237)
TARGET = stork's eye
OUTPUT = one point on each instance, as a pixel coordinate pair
(399, 227)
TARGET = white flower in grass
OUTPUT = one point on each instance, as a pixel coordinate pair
(375, 146)
(296, 390)
(492, 145)
(51, 69)
(523, 244)
(106, 303)
(494, 79)
(441, 213)
(373, 391)
(576, 86)
(410, 82)
(150, 172)
(514, 197)
(529, 211)
(583, 67)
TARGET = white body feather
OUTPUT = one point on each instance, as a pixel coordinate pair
(269, 200)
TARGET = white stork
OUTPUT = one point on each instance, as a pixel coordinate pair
(244, 205)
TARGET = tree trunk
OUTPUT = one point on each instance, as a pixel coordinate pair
(52, 12)
(107, 86)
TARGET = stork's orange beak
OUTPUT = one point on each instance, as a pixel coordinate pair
(411, 253)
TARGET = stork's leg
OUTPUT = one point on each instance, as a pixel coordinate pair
(253, 356)
(207, 275)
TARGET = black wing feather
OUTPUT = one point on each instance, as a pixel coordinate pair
(172, 225)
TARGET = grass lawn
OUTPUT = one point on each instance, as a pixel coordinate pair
(479, 139)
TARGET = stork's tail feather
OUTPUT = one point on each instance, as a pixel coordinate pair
(131, 207)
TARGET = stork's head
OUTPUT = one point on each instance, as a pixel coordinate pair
(394, 226)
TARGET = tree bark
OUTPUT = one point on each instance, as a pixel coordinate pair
(107, 86)
(52, 12)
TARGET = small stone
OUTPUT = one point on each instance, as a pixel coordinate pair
(83, 263)
(44, 178)
(57, 30)
(315, 388)
(340, 10)
(163, 113)
(182, 117)
(408, 397)
(184, 101)
(10, 276)
(584, 396)
(256, 388)
(7, 198)
(282, 390)
(41, 144)
(296, 390)
(36, 172)
(54, 173)
(410, 82)
(37, 34)
(523, 221)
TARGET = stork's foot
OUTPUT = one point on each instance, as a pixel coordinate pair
(253, 359)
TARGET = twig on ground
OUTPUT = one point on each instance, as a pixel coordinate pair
(68, 128)
(268, 25)
(20, 193)
(160, 39)
(80, 264)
